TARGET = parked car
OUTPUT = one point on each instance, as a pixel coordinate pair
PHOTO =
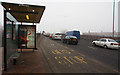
(118, 40)
(106, 43)
(57, 36)
(70, 40)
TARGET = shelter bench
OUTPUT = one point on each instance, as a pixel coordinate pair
(14, 57)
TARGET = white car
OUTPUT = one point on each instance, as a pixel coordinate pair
(106, 43)
(57, 36)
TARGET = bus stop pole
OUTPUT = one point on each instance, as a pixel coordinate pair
(5, 49)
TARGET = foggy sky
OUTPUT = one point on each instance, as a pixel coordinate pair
(85, 16)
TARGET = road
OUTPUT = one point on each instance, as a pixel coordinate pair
(108, 57)
(81, 58)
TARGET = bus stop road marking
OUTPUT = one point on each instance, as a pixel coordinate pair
(59, 62)
(68, 60)
(56, 58)
(82, 60)
(73, 60)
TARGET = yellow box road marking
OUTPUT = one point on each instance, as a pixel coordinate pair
(61, 52)
(73, 60)
(68, 60)
(59, 62)
(66, 51)
(53, 52)
(82, 60)
(78, 58)
(65, 62)
(56, 58)
(57, 52)
(59, 57)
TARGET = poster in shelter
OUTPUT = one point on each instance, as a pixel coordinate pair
(27, 35)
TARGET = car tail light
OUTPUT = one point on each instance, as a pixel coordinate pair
(111, 44)
(70, 39)
(55, 36)
(119, 44)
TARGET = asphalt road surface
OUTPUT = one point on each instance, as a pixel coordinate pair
(108, 57)
(81, 58)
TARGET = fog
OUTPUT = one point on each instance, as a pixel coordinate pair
(87, 15)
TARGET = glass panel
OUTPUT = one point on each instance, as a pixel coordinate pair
(11, 36)
(27, 36)
(11, 44)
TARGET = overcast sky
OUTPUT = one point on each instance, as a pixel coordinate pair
(83, 15)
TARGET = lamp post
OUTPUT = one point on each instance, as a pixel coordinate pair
(113, 16)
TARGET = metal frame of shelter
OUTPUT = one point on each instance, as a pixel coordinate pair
(19, 37)
(5, 25)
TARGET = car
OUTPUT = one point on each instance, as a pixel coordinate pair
(47, 34)
(70, 40)
(50, 35)
(74, 33)
(57, 36)
(118, 40)
(106, 43)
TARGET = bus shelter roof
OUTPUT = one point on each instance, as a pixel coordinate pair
(24, 12)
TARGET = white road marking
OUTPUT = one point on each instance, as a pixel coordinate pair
(52, 44)
(91, 47)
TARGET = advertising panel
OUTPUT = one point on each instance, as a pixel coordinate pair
(27, 36)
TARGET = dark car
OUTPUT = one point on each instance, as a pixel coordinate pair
(70, 40)
(118, 40)
(73, 33)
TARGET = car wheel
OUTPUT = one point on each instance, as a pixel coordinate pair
(75, 43)
(67, 42)
(105, 46)
(94, 44)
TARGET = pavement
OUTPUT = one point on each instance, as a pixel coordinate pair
(0, 60)
(29, 62)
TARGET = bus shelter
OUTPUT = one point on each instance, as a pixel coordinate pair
(20, 27)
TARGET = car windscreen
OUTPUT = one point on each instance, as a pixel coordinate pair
(73, 37)
(98, 40)
(117, 41)
(110, 40)
(58, 34)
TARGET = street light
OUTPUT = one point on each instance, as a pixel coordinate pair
(113, 16)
